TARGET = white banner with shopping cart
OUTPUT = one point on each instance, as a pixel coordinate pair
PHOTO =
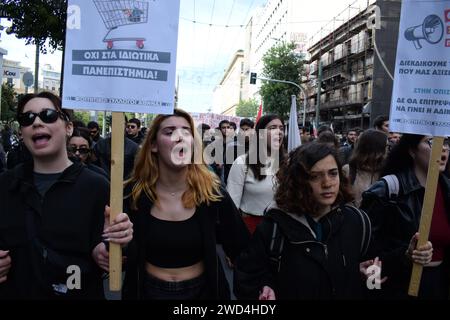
(120, 55)
(421, 94)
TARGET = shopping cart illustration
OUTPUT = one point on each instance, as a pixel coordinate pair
(122, 13)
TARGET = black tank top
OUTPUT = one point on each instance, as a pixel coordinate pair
(173, 244)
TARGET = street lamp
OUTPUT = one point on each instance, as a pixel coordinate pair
(298, 86)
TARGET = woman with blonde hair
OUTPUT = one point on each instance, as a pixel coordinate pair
(179, 212)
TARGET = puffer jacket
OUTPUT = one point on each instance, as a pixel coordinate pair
(394, 221)
(308, 269)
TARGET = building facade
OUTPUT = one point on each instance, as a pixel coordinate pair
(51, 79)
(354, 85)
(274, 23)
(228, 93)
(12, 73)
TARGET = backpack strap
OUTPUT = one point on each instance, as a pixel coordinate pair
(393, 185)
(276, 248)
(366, 228)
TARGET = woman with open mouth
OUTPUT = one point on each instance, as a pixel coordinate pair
(394, 205)
(53, 214)
(251, 182)
(179, 212)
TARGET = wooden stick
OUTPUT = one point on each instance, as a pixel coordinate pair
(116, 198)
(427, 210)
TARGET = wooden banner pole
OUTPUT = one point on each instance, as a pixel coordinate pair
(116, 197)
(427, 210)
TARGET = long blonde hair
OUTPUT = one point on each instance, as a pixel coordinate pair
(203, 185)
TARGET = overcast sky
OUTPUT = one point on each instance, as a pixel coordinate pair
(204, 50)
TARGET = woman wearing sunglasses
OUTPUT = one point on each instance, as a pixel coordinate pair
(79, 148)
(53, 214)
(395, 215)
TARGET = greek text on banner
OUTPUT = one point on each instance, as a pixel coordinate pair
(120, 72)
(120, 55)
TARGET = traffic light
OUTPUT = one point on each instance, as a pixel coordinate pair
(253, 77)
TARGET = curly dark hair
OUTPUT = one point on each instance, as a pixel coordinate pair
(294, 193)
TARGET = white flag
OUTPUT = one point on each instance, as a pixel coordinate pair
(294, 134)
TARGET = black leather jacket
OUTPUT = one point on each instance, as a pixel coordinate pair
(394, 222)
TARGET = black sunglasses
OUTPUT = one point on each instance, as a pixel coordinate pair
(82, 150)
(26, 119)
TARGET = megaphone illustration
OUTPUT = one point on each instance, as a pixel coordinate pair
(431, 30)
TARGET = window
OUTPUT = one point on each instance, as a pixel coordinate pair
(344, 95)
(365, 91)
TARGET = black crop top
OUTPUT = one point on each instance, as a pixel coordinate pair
(173, 244)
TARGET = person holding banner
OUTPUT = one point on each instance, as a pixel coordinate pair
(394, 205)
(310, 244)
(179, 212)
(52, 224)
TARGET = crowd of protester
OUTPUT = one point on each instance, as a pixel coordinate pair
(307, 224)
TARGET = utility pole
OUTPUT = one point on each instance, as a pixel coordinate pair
(305, 100)
(2, 53)
(319, 89)
(36, 69)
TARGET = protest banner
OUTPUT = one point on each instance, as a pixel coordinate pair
(120, 56)
(421, 93)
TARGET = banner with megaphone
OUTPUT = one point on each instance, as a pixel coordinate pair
(431, 30)
(421, 92)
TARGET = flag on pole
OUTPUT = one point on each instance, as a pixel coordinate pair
(293, 134)
(259, 115)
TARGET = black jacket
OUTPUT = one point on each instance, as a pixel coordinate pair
(308, 269)
(219, 221)
(2, 159)
(17, 155)
(345, 152)
(137, 138)
(68, 223)
(102, 151)
(394, 222)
